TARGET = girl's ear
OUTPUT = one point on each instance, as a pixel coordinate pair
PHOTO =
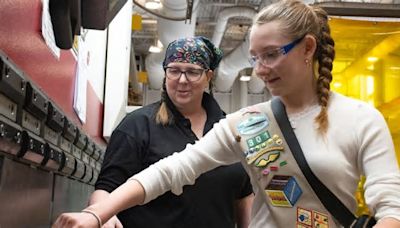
(310, 46)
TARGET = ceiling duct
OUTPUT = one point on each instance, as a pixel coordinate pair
(238, 59)
(168, 31)
(223, 17)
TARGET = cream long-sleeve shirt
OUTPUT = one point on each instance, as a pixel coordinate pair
(357, 142)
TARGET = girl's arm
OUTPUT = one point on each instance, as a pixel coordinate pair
(130, 194)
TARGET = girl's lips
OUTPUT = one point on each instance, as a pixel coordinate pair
(272, 80)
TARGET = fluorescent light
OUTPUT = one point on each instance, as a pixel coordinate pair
(154, 49)
(372, 59)
(152, 5)
(245, 78)
(337, 84)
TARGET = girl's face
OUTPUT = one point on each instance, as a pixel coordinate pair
(182, 92)
(281, 61)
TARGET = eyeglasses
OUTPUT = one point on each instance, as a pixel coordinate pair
(270, 57)
(192, 75)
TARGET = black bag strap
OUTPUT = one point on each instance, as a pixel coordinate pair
(328, 199)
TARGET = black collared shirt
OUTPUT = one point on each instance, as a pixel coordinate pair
(139, 142)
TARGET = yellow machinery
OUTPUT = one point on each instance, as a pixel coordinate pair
(367, 67)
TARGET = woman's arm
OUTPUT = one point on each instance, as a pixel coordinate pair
(130, 194)
(243, 211)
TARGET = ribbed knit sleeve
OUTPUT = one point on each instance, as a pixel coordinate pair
(216, 148)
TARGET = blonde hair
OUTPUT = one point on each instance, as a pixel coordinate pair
(163, 116)
(297, 20)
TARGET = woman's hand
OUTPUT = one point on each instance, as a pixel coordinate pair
(76, 220)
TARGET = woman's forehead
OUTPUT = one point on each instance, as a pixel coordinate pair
(185, 65)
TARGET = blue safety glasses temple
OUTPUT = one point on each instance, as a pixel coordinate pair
(290, 46)
(283, 51)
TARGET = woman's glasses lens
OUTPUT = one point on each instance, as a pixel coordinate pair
(191, 75)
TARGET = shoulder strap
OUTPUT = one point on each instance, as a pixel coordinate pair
(328, 199)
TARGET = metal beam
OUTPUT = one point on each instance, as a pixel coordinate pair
(360, 9)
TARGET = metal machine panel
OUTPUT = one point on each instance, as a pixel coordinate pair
(96, 154)
(69, 165)
(66, 145)
(90, 148)
(80, 170)
(98, 166)
(69, 195)
(12, 83)
(88, 174)
(12, 137)
(50, 135)
(37, 152)
(55, 119)
(25, 195)
(31, 123)
(92, 162)
(35, 102)
(81, 140)
(85, 158)
(8, 108)
(69, 130)
(94, 178)
(56, 159)
(76, 152)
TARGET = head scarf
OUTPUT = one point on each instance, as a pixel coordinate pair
(196, 50)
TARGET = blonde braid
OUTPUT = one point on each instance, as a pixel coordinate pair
(325, 55)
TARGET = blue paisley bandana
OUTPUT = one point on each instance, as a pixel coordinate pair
(196, 50)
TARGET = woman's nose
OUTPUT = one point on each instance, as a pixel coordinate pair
(183, 78)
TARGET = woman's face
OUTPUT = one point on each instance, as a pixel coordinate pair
(182, 92)
(284, 74)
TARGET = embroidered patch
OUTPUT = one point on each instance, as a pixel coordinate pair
(259, 140)
(263, 162)
(320, 220)
(253, 124)
(304, 217)
(250, 109)
(283, 191)
(263, 149)
(311, 219)
(265, 172)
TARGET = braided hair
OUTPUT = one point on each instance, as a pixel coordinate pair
(297, 19)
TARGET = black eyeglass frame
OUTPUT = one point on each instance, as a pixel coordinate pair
(190, 79)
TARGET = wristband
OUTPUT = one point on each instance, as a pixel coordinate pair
(95, 215)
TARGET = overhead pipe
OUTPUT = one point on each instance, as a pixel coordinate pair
(238, 59)
(168, 31)
(223, 17)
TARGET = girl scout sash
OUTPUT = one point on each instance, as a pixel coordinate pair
(329, 200)
(275, 174)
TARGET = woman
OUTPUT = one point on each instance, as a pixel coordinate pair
(184, 114)
(341, 138)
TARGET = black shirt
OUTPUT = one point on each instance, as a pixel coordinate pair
(138, 142)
